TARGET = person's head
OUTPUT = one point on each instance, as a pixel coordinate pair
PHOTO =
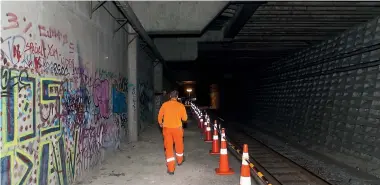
(174, 94)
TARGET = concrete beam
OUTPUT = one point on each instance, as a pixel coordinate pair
(177, 49)
(243, 14)
(281, 38)
(136, 25)
(157, 16)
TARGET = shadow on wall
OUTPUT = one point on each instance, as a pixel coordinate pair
(58, 114)
(146, 95)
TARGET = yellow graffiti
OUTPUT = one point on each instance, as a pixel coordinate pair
(52, 97)
(50, 93)
(25, 172)
(5, 103)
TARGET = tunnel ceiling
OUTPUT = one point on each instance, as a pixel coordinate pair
(277, 29)
(246, 33)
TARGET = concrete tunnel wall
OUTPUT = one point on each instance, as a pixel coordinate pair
(146, 88)
(64, 84)
(327, 97)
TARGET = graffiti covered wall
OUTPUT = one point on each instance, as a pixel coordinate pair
(145, 87)
(63, 98)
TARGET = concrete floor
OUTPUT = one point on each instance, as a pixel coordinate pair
(143, 163)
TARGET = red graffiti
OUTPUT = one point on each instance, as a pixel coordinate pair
(34, 48)
(27, 27)
(52, 33)
(12, 20)
(69, 62)
(52, 51)
(43, 46)
(37, 63)
(16, 52)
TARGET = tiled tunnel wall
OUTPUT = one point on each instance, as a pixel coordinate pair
(327, 95)
(64, 83)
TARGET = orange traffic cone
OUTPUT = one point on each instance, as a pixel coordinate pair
(215, 125)
(245, 172)
(215, 143)
(224, 168)
(208, 138)
(204, 126)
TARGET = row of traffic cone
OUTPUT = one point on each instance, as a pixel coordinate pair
(224, 169)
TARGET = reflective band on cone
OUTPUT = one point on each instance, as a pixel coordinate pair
(223, 151)
(215, 144)
(208, 136)
(245, 180)
(245, 171)
(224, 168)
(215, 125)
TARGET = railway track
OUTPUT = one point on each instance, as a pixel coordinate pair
(277, 169)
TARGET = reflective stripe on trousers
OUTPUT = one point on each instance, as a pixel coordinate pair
(173, 136)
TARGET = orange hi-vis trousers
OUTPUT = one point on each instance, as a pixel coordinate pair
(173, 135)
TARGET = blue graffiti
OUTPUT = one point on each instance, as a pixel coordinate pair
(119, 101)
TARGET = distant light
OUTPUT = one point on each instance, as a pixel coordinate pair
(189, 90)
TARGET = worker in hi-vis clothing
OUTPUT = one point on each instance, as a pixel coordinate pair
(170, 118)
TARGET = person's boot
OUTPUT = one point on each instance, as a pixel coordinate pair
(170, 173)
(183, 160)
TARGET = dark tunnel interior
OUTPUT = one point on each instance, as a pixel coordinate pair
(307, 72)
(84, 81)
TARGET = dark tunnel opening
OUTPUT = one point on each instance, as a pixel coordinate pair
(310, 77)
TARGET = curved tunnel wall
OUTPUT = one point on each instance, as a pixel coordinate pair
(327, 96)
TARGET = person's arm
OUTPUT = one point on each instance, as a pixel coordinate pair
(184, 113)
(160, 115)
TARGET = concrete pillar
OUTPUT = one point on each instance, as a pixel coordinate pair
(158, 75)
(133, 128)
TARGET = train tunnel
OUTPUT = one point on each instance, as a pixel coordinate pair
(82, 83)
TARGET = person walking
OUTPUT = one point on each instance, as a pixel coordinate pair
(170, 118)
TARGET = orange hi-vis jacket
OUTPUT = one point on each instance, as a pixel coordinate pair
(172, 112)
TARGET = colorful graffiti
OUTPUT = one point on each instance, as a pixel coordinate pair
(57, 113)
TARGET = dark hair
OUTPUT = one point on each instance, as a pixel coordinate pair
(174, 94)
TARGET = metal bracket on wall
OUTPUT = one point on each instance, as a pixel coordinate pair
(155, 63)
(122, 23)
(100, 4)
(143, 45)
(132, 39)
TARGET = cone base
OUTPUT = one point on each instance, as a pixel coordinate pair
(214, 153)
(208, 141)
(229, 172)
